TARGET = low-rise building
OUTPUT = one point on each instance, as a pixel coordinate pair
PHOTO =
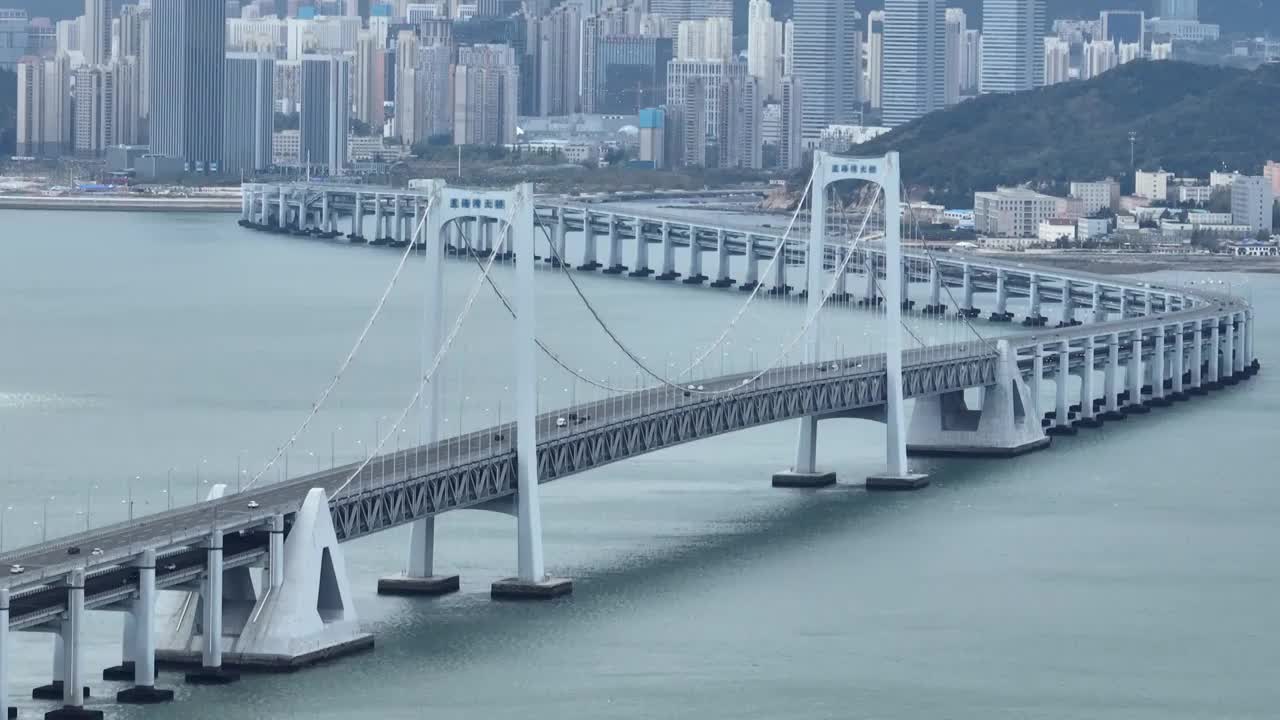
(1253, 248)
(1219, 179)
(1198, 194)
(1204, 217)
(1252, 203)
(1055, 229)
(1012, 212)
(1071, 208)
(1092, 228)
(1008, 243)
(1152, 185)
(1097, 195)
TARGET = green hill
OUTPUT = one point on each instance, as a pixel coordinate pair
(1190, 119)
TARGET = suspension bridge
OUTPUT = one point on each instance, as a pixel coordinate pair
(256, 579)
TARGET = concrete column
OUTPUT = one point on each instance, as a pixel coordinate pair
(695, 275)
(1033, 310)
(1228, 349)
(1111, 381)
(935, 306)
(1248, 339)
(73, 647)
(377, 217)
(615, 244)
(144, 642)
(326, 219)
(1124, 303)
(668, 255)
(588, 243)
(1215, 348)
(968, 288)
(780, 275)
(562, 240)
(1099, 308)
(722, 260)
(1062, 411)
(1087, 415)
(640, 267)
(1157, 370)
(1001, 313)
(211, 671)
(1147, 308)
(1238, 351)
(753, 265)
(357, 217)
(1037, 379)
(1179, 362)
(1135, 375)
(4, 653)
(869, 265)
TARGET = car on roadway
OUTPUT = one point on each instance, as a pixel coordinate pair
(95, 552)
(561, 422)
(73, 550)
(253, 505)
(16, 569)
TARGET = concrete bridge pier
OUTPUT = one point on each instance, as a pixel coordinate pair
(326, 219)
(1158, 372)
(668, 255)
(1098, 302)
(143, 640)
(1228, 375)
(966, 287)
(1135, 405)
(1001, 313)
(1179, 363)
(935, 306)
(1062, 411)
(282, 210)
(211, 671)
(1034, 318)
(723, 278)
(1215, 344)
(377, 218)
(73, 690)
(1003, 426)
(559, 240)
(357, 219)
(589, 262)
(780, 286)
(752, 279)
(1068, 307)
(1088, 407)
(870, 294)
(695, 276)
(840, 294)
(615, 248)
(1037, 380)
(640, 268)
(1112, 380)
(125, 670)
(55, 689)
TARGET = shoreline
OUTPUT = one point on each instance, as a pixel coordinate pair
(120, 204)
(1135, 264)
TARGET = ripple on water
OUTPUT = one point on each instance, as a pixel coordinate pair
(42, 401)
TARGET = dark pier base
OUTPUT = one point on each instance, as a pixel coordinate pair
(68, 712)
(119, 673)
(144, 695)
(1034, 321)
(1111, 416)
(667, 276)
(897, 483)
(934, 310)
(52, 691)
(588, 267)
(430, 586)
(790, 479)
(615, 270)
(640, 272)
(1058, 430)
(1158, 402)
(212, 676)
(517, 589)
(695, 280)
(1135, 410)
(969, 312)
(723, 283)
(1000, 317)
(748, 286)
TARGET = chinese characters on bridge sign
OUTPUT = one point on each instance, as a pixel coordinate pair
(860, 169)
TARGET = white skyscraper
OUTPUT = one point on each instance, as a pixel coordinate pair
(827, 60)
(1057, 61)
(1252, 202)
(875, 59)
(764, 47)
(1178, 10)
(1128, 52)
(710, 39)
(957, 25)
(325, 115)
(1012, 45)
(95, 33)
(914, 59)
(1099, 57)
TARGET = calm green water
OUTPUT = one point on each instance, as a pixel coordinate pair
(1125, 573)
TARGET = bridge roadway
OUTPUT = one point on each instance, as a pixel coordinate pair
(477, 470)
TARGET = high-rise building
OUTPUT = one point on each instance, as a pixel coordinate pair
(1128, 52)
(1057, 61)
(370, 69)
(1099, 57)
(740, 141)
(632, 73)
(1012, 45)
(429, 112)
(914, 59)
(126, 120)
(957, 26)
(1097, 195)
(94, 114)
(710, 39)
(325, 115)
(790, 144)
(691, 9)
(559, 66)
(1177, 9)
(875, 59)
(827, 60)
(66, 36)
(609, 22)
(653, 137)
(764, 47)
(44, 106)
(249, 113)
(486, 86)
(1252, 203)
(15, 29)
(971, 61)
(95, 32)
(693, 97)
(188, 60)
